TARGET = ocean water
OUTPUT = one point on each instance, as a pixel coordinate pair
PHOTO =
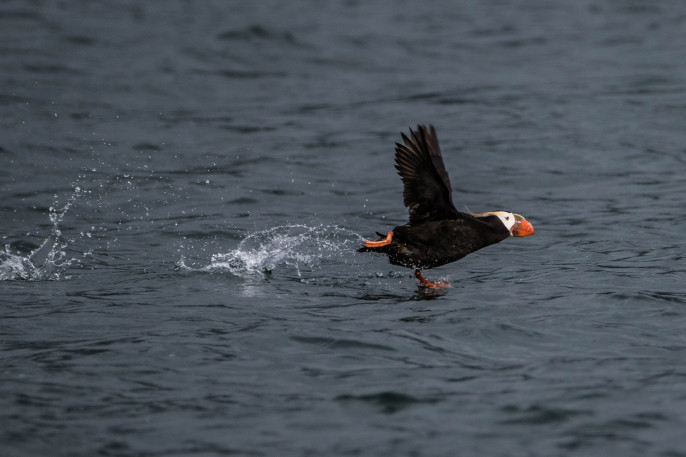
(185, 185)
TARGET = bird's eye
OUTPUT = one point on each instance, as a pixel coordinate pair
(507, 218)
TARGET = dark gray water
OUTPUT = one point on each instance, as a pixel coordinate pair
(184, 186)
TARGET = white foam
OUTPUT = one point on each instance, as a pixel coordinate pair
(297, 246)
(48, 262)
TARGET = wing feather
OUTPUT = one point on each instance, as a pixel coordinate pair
(427, 191)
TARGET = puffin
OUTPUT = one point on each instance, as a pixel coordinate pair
(437, 233)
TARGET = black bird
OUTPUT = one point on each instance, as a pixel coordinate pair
(437, 232)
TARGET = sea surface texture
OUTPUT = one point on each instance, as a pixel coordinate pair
(184, 186)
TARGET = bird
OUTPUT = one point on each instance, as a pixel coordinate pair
(437, 233)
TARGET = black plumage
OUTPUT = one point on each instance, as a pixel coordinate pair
(427, 192)
(437, 232)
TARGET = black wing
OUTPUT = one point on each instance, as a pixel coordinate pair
(427, 192)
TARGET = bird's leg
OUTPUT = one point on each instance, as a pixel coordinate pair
(431, 285)
(378, 244)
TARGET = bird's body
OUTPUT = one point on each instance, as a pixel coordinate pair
(437, 233)
(434, 243)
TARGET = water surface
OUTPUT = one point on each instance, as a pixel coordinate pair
(184, 187)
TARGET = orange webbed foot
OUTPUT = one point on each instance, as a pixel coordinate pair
(378, 244)
(431, 285)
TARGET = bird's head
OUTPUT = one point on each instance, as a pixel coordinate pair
(513, 223)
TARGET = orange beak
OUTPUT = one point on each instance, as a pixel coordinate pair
(522, 227)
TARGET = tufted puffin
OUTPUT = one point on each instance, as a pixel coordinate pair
(437, 232)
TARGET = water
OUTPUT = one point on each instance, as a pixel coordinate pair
(184, 187)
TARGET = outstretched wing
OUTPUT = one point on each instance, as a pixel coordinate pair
(427, 192)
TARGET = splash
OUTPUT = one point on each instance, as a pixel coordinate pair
(296, 246)
(49, 260)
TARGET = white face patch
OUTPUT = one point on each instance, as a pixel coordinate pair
(508, 219)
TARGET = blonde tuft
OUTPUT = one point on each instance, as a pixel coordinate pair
(487, 213)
